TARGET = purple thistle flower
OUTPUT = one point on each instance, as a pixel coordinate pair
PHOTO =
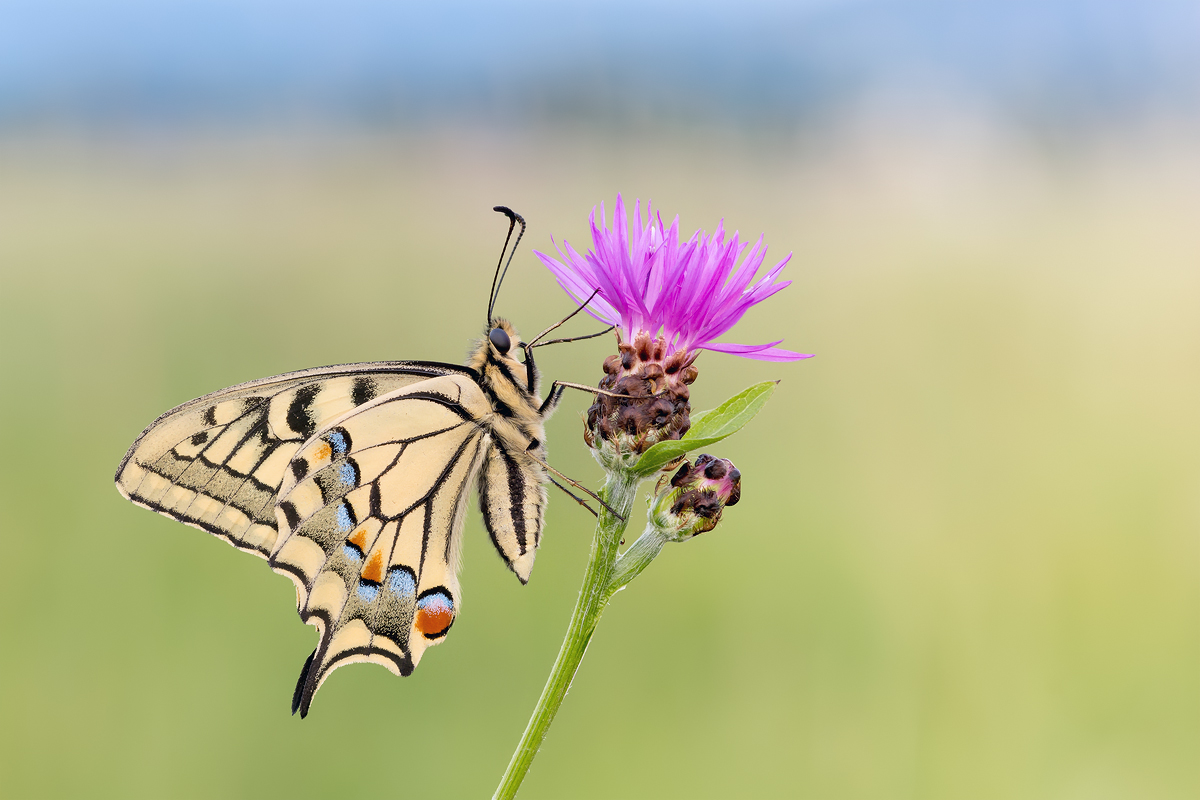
(649, 282)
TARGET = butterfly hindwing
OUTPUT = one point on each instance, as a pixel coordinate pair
(370, 515)
(216, 463)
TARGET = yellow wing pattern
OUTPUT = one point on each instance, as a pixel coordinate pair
(370, 516)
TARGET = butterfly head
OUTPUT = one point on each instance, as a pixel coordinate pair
(496, 358)
(500, 339)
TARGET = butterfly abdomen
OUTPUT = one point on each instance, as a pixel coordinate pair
(512, 499)
(512, 496)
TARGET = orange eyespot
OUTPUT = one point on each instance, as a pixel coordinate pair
(435, 613)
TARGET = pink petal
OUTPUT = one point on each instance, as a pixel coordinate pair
(762, 352)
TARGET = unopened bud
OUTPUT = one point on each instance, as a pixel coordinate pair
(691, 501)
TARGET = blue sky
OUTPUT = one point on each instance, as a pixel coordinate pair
(385, 60)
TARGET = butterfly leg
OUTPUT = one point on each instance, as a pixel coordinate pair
(578, 486)
(575, 497)
(538, 339)
(556, 393)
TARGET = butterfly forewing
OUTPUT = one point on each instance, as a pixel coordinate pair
(370, 515)
(216, 463)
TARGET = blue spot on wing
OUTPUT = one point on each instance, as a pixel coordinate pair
(367, 592)
(401, 582)
(345, 517)
(351, 552)
(348, 474)
(339, 441)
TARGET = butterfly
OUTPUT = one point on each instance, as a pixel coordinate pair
(353, 480)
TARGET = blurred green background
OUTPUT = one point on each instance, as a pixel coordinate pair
(967, 559)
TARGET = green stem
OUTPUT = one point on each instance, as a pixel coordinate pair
(636, 558)
(619, 491)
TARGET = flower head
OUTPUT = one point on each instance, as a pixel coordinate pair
(646, 281)
(668, 300)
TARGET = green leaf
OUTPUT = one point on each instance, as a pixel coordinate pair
(697, 416)
(709, 427)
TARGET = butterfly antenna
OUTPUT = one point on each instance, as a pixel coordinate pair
(498, 278)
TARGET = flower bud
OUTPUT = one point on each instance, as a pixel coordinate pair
(654, 403)
(691, 501)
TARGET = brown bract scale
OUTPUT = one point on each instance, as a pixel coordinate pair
(655, 407)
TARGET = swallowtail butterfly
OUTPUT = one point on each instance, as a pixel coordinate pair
(353, 481)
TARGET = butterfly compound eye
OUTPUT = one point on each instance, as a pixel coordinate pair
(500, 340)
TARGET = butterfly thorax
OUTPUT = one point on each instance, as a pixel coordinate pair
(517, 419)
